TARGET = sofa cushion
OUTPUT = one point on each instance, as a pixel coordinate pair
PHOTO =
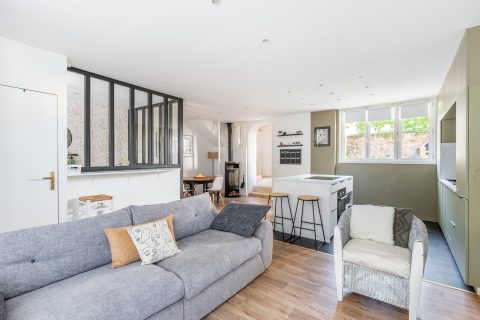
(240, 218)
(191, 215)
(378, 256)
(33, 258)
(372, 223)
(208, 256)
(131, 292)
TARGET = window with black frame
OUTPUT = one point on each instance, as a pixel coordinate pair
(118, 126)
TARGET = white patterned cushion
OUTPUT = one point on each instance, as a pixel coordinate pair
(153, 240)
(378, 256)
(372, 223)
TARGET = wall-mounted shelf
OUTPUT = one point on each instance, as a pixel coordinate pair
(290, 134)
(292, 145)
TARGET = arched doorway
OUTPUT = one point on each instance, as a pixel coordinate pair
(264, 157)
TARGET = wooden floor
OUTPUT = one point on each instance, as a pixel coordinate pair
(300, 284)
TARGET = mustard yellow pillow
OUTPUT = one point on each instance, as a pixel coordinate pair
(121, 246)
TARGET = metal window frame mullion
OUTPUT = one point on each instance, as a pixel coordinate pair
(111, 138)
(87, 121)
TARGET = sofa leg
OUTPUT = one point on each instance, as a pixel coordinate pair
(416, 274)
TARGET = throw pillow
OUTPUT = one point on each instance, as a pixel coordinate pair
(3, 311)
(240, 218)
(153, 240)
(402, 226)
(372, 223)
(122, 249)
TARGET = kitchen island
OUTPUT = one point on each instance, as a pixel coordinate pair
(335, 192)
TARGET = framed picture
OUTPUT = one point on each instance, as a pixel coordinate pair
(188, 146)
(321, 136)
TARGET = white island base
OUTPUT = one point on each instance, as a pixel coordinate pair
(323, 186)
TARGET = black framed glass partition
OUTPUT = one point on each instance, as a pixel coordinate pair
(125, 126)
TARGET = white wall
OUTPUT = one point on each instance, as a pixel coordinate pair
(290, 124)
(24, 66)
(264, 151)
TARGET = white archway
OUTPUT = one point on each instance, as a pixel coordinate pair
(251, 154)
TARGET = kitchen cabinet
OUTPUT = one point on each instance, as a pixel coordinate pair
(453, 221)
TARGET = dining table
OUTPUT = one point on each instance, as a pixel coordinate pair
(204, 181)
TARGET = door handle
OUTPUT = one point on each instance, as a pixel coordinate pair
(52, 180)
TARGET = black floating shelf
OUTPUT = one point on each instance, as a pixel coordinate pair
(290, 134)
(293, 145)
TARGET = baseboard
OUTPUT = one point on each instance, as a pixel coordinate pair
(428, 219)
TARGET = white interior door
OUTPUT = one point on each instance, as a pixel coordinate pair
(28, 159)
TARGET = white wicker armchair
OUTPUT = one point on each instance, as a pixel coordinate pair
(393, 289)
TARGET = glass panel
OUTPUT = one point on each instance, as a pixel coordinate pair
(415, 128)
(158, 105)
(173, 127)
(141, 127)
(355, 135)
(382, 133)
(76, 117)
(99, 123)
(121, 117)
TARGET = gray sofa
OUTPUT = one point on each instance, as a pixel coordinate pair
(63, 271)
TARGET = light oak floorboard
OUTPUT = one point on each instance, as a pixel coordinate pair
(300, 284)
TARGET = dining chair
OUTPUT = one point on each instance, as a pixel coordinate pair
(216, 189)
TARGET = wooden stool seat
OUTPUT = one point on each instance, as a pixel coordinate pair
(278, 194)
(308, 198)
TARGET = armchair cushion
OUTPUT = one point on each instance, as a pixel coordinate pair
(378, 256)
(402, 226)
(372, 223)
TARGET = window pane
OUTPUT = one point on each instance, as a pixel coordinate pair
(415, 128)
(173, 125)
(76, 116)
(141, 126)
(158, 105)
(355, 135)
(99, 122)
(121, 116)
(382, 133)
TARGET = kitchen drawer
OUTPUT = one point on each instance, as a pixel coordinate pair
(333, 201)
(333, 221)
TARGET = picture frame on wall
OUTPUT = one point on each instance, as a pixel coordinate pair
(187, 146)
(321, 136)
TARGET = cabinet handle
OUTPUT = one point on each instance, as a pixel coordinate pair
(453, 223)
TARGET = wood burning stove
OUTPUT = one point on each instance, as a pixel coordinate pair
(232, 179)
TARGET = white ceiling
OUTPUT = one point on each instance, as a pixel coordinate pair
(213, 55)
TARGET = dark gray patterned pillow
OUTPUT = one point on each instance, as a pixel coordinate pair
(401, 226)
(240, 218)
(3, 312)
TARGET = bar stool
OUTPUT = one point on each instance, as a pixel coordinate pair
(311, 199)
(280, 196)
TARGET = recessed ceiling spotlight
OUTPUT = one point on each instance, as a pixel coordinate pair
(339, 99)
(216, 2)
(360, 77)
(311, 104)
(320, 85)
(331, 92)
(288, 91)
(366, 87)
(372, 94)
(265, 41)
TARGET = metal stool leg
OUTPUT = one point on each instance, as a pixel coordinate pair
(275, 214)
(314, 226)
(321, 221)
(293, 224)
(301, 218)
(268, 203)
(291, 217)
(283, 224)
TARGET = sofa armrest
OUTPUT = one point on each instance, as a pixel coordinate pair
(264, 232)
(344, 226)
(418, 233)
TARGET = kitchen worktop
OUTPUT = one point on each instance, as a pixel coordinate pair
(315, 178)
